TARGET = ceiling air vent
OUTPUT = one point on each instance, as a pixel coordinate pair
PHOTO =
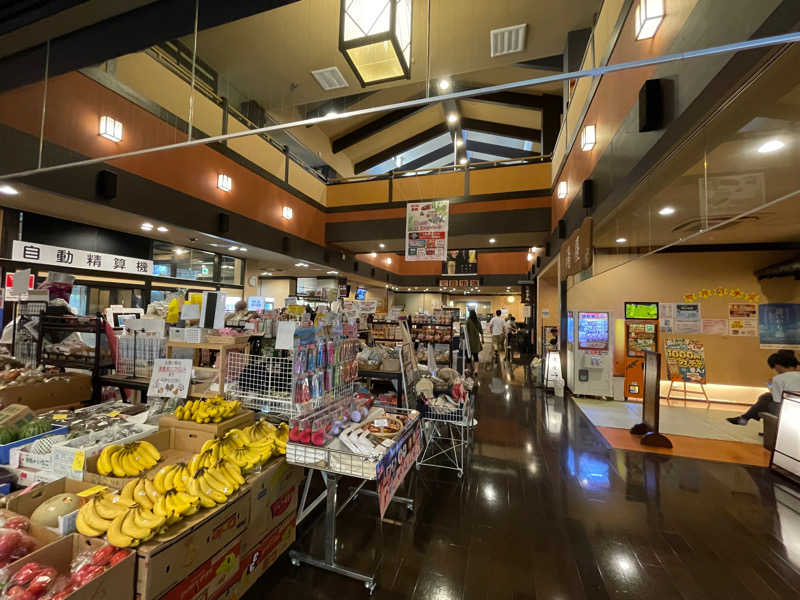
(508, 40)
(330, 78)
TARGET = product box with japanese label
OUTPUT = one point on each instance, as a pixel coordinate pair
(27, 476)
(41, 396)
(26, 501)
(174, 445)
(6, 449)
(164, 563)
(244, 418)
(260, 558)
(273, 495)
(115, 583)
(213, 577)
(69, 458)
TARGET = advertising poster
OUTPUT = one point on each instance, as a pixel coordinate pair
(396, 464)
(741, 310)
(460, 262)
(715, 326)
(666, 321)
(779, 325)
(743, 327)
(170, 378)
(687, 318)
(686, 360)
(426, 230)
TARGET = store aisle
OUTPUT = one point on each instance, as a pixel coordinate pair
(549, 511)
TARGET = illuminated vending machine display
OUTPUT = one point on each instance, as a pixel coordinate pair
(593, 356)
(641, 334)
(570, 350)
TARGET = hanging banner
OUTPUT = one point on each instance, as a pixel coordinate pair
(426, 230)
(686, 360)
(79, 259)
(577, 252)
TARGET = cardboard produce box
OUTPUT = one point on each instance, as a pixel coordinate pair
(244, 418)
(273, 496)
(217, 574)
(116, 583)
(167, 560)
(47, 396)
(16, 453)
(25, 502)
(260, 558)
(175, 445)
(28, 475)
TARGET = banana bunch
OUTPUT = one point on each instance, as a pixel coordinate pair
(212, 410)
(214, 484)
(171, 477)
(124, 524)
(264, 434)
(175, 505)
(128, 460)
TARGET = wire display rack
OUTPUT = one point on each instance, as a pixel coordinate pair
(25, 330)
(137, 354)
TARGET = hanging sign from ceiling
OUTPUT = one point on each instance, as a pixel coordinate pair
(426, 230)
(70, 258)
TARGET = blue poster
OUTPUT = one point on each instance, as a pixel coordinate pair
(779, 325)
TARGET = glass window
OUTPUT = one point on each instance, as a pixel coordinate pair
(183, 263)
(231, 269)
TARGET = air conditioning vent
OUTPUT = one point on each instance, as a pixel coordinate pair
(330, 78)
(695, 225)
(508, 39)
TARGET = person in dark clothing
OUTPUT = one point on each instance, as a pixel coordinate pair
(787, 378)
(474, 335)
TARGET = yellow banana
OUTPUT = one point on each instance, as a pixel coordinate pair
(84, 528)
(104, 460)
(220, 481)
(151, 490)
(194, 464)
(213, 492)
(140, 494)
(115, 535)
(108, 510)
(195, 490)
(161, 480)
(126, 495)
(233, 470)
(160, 507)
(92, 518)
(116, 466)
(129, 464)
(147, 519)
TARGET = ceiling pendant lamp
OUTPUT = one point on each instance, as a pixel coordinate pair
(375, 39)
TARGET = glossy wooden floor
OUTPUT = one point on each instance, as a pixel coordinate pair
(548, 510)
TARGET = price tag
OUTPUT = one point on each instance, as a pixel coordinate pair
(59, 417)
(78, 460)
(380, 422)
(92, 490)
(113, 413)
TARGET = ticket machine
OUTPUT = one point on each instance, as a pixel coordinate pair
(641, 334)
(592, 355)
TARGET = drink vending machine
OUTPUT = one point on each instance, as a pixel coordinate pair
(641, 334)
(592, 363)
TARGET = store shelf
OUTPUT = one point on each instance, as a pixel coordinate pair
(67, 363)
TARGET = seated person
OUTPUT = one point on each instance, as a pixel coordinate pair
(787, 378)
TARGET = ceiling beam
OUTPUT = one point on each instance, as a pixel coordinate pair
(405, 145)
(553, 63)
(519, 100)
(521, 133)
(497, 150)
(423, 161)
(369, 129)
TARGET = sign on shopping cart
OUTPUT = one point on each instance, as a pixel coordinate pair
(396, 464)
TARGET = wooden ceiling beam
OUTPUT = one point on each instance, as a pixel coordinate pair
(400, 147)
(369, 129)
(514, 131)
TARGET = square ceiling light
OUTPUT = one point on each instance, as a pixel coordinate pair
(375, 39)
(224, 182)
(588, 138)
(561, 191)
(647, 18)
(110, 128)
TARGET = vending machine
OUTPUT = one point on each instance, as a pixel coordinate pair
(641, 334)
(593, 357)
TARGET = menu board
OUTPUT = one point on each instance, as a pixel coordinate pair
(641, 338)
(641, 310)
(460, 262)
(593, 331)
(427, 224)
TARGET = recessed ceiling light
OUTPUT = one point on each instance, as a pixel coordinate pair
(232, 248)
(562, 190)
(111, 129)
(388, 260)
(266, 274)
(463, 160)
(288, 212)
(459, 142)
(7, 190)
(224, 182)
(492, 240)
(373, 254)
(444, 84)
(621, 240)
(770, 146)
(382, 245)
(333, 272)
(162, 229)
(666, 211)
(648, 17)
(331, 113)
(300, 264)
(452, 118)
(147, 226)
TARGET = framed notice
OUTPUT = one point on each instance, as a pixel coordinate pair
(686, 360)
(427, 224)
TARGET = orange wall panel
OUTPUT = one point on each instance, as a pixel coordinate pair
(502, 263)
(510, 179)
(361, 192)
(444, 185)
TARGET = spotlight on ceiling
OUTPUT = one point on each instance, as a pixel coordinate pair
(621, 240)
(7, 190)
(373, 254)
(492, 240)
(459, 142)
(666, 211)
(162, 229)
(452, 118)
(147, 226)
(770, 146)
(444, 85)
(381, 245)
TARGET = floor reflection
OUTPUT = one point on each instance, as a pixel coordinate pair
(547, 510)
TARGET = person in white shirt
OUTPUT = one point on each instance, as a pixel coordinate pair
(787, 379)
(497, 328)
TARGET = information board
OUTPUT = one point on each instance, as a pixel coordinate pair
(171, 378)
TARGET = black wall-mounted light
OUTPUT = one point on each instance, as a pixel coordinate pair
(375, 39)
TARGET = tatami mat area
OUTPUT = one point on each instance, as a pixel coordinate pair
(676, 420)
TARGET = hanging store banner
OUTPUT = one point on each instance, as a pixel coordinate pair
(43, 254)
(426, 230)
(577, 252)
(686, 360)
(396, 464)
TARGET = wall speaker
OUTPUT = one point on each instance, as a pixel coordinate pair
(286, 244)
(547, 249)
(562, 229)
(538, 262)
(651, 106)
(223, 223)
(587, 193)
(106, 185)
